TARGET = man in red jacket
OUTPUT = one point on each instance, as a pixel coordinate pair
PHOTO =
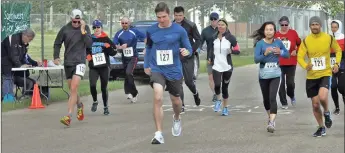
(291, 41)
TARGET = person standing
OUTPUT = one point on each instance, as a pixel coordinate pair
(267, 52)
(291, 41)
(188, 63)
(76, 37)
(316, 46)
(98, 57)
(166, 43)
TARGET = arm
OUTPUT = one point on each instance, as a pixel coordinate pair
(196, 37)
(31, 61)
(185, 42)
(141, 36)
(302, 51)
(116, 38)
(58, 43)
(232, 40)
(148, 48)
(210, 54)
(14, 54)
(202, 38)
(112, 48)
(87, 37)
(298, 41)
(283, 52)
(338, 53)
(258, 56)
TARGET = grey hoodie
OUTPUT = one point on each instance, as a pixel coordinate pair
(75, 44)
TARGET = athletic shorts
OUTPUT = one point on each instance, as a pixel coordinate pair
(72, 70)
(313, 85)
(173, 86)
(209, 69)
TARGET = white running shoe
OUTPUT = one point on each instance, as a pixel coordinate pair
(158, 138)
(176, 129)
(129, 96)
(134, 99)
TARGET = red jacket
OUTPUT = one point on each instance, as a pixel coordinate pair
(291, 41)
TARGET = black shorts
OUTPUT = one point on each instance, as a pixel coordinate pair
(173, 86)
(71, 70)
(313, 85)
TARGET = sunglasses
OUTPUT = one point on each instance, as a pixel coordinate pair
(284, 25)
(124, 22)
(95, 28)
(76, 22)
(213, 19)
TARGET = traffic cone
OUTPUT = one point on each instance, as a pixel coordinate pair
(36, 99)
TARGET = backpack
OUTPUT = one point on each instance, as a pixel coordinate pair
(329, 45)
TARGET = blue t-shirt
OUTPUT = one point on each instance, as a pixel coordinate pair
(269, 65)
(129, 37)
(161, 41)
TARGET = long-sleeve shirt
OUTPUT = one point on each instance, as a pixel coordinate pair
(163, 50)
(192, 32)
(317, 48)
(291, 42)
(269, 64)
(207, 35)
(129, 37)
(75, 44)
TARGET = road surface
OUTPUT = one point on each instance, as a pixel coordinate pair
(129, 128)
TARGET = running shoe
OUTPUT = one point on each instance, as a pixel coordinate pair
(158, 138)
(80, 112)
(66, 120)
(197, 99)
(176, 128)
(336, 111)
(270, 127)
(225, 111)
(134, 99)
(214, 99)
(293, 101)
(285, 107)
(106, 111)
(94, 106)
(321, 131)
(328, 120)
(217, 106)
(182, 110)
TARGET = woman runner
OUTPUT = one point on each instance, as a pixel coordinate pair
(220, 59)
(267, 53)
(98, 57)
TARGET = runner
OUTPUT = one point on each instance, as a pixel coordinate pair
(316, 46)
(207, 35)
(188, 63)
(267, 53)
(291, 42)
(126, 40)
(338, 80)
(220, 59)
(98, 57)
(76, 37)
(163, 64)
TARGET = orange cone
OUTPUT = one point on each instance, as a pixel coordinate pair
(36, 99)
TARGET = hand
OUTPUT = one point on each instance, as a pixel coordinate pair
(106, 45)
(184, 52)
(309, 67)
(276, 51)
(209, 62)
(294, 53)
(229, 51)
(25, 66)
(57, 61)
(335, 68)
(124, 46)
(144, 51)
(82, 27)
(147, 71)
(88, 57)
(39, 63)
(268, 51)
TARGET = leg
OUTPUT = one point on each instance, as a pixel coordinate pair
(174, 90)
(282, 91)
(323, 95)
(7, 84)
(93, 77)
(341, 83)
(74, 98)
(264, 86)
(129, 74)
(225, 85)
(210, 81)
(334, 91)
(273, 90)
(290, 82)
(312, 89)
(104, 76)
(217, 76)
(188, 73)
(125, 84)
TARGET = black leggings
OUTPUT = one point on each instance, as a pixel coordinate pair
(103, 74)
(188, 75)
(129, 85)
(269, 89)
(221, 79)
(288, 78)
(338, 84)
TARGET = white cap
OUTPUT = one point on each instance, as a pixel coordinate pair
(76, 14)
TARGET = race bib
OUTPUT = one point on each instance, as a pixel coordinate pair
(128, 52)
(98, 59)
(287, 44)
(319, 63)
(80, 69)
(271, 65)
(332, 61)
(164, 57)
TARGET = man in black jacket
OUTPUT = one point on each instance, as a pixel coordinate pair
(76, 37)
(13, 51)
(188, 63)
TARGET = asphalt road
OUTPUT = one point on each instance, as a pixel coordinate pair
(130, 127)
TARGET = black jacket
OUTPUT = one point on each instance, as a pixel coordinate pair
(207, 35)
(12, 55)
(192, 32)
(98, 46)
(229, 37)
(26, 60)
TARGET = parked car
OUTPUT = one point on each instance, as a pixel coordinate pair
(116, 66)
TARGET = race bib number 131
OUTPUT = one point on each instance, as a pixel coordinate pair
(164, 57)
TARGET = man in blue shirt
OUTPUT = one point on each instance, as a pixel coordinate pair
(162, 62)
(126, 40)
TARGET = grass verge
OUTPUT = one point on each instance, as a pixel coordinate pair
(236, 60)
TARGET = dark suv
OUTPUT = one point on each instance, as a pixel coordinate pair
(116, 61)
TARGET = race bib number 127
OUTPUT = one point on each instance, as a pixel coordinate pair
(80, 69)
(164, 57)
(319, 63)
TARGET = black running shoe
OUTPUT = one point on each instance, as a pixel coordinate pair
(328, 120)
(197, 99)
(321, 131)
(336, 111)
(106, 111)
(214, 99)
(94, 106)
(182, 110)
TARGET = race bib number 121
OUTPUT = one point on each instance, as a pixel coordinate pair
(319, 63)
(164, 57)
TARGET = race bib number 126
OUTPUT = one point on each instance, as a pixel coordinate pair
(319, 63)
(164, 57)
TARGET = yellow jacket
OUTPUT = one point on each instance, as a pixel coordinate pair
(317, 48)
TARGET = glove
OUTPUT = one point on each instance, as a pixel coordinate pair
(89, 57)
